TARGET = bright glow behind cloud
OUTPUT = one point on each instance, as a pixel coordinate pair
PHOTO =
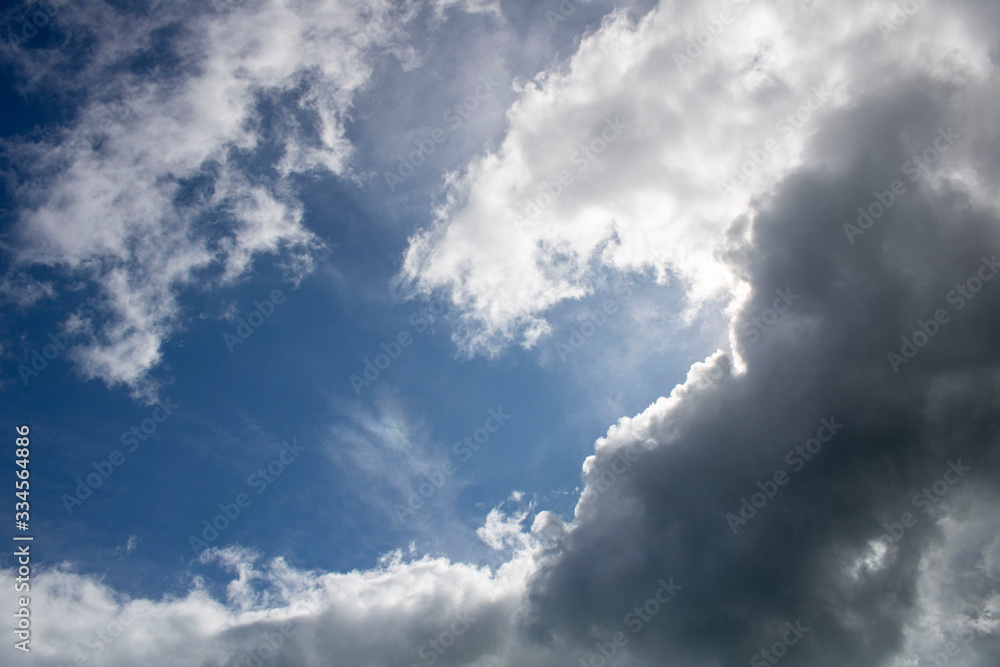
(511, 241)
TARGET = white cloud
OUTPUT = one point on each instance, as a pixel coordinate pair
(129, 546)
(387, 614)
(502, 531)
(380, 616)
(959, 601)
(106, 198)
(650, 200)
(651, 197)
(23, 290)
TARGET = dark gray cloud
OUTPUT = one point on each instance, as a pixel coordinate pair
(825, 356)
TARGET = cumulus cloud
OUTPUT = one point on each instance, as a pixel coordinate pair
(382, 616)
(690, 488)
(505, 531)
(688, 492)
(649, 124)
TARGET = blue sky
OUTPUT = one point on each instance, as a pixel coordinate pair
(219, 219)
(291, 378)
